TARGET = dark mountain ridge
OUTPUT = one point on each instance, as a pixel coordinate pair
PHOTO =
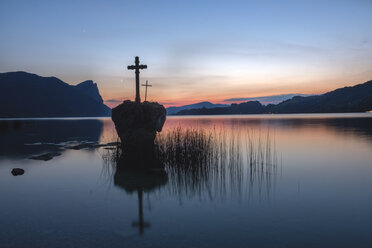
(24, 94)
(208, 105)
(90, 88)
(251, 107)
(357, 98)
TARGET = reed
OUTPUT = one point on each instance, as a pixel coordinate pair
(210, 162)
(214, 160)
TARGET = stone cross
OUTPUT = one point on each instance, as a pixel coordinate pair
(137, 67)
(146, 85)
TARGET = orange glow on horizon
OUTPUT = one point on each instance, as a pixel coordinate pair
(218, 99)
(179, 93)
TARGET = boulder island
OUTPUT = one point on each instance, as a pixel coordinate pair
(137, 124)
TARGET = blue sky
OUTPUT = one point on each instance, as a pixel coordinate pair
(195, 50)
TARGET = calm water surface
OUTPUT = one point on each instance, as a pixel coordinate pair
(309, 187)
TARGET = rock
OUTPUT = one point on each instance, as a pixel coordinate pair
(18, 171)
(136, 125)
(46, 156)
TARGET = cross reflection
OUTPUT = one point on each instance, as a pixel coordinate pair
(140, 181)
(141, 224)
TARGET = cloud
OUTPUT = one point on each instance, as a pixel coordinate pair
(114, 101)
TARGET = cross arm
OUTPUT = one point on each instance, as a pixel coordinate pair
(135, 67)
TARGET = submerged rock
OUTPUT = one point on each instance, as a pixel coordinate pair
(83, 146)
(92, 146)
(18, 171)
(46, 156)
(136, 125)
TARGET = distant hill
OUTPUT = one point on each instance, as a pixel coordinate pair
(349, 99)
(208, 105)
(24, 94)
(273, 99)
(252, 107)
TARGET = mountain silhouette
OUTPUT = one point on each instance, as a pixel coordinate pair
(208, 105)
(274, 99)
(251, 107)
(357, 98)
(90, 89)
(24, 94)
(348, 99)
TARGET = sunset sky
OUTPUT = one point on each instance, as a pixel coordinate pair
(195, 50)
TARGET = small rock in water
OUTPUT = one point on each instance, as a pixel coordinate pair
(18, 171)
(46, 156)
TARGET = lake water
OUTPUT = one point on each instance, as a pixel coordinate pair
(271, 181)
